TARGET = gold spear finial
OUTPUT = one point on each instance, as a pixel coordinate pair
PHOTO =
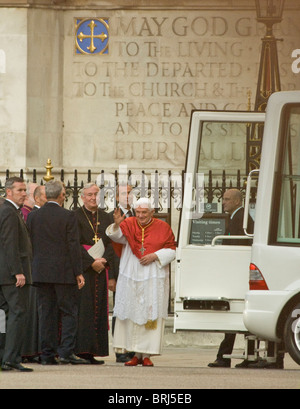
(48, 168)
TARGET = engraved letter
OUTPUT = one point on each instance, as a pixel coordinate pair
(179, 30)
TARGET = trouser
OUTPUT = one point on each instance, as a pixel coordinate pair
(58, 313)
(226, 347)
(14, 302)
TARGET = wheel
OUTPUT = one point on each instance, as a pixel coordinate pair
(292, 334)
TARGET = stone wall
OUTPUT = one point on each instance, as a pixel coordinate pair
(131, 104)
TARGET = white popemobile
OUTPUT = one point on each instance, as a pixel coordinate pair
(212, 278)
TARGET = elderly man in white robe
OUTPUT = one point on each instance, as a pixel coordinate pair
(142, 295)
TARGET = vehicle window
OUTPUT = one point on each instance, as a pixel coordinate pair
(225, 146)
(288, 221)
(227, 154)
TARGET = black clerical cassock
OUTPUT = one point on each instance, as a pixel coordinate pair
(93, 327)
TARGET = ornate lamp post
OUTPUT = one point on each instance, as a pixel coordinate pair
(268, 12)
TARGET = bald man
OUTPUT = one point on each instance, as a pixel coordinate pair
(233, 205)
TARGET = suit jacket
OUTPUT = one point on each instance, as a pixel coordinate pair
(56, 247)
(15, 246)
(235, 228)
(115, 266)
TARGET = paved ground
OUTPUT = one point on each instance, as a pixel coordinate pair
(176, 369)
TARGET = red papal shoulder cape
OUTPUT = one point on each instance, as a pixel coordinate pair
(158, 235)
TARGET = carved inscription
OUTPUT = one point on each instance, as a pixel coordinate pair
(162, 67)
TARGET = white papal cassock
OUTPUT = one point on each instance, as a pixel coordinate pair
(142, 296)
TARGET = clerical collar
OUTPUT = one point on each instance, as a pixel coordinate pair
(90, 211)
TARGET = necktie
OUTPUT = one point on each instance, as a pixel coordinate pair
(21, 214)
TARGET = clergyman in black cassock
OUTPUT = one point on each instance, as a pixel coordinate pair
(92, 339)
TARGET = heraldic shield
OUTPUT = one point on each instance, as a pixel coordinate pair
(92, 36)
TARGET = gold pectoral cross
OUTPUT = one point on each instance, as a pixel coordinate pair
(143, 228)
(142, 250)
(82, 37)
(96, 239)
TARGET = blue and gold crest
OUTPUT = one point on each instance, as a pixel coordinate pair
(92, 36)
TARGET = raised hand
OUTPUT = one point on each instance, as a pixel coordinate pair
(118, 218)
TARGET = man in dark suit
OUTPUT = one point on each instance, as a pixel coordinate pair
(31, 346)
(15, 274)
(57, 273)
(233, 205)
(39, 197)
(125, 203)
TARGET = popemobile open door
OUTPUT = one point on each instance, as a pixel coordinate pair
(212, 277)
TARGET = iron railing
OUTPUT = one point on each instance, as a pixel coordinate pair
(166, 189)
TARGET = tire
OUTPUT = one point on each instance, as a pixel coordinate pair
(292, 334)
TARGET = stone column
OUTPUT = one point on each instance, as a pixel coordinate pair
(13, 87)
(45, 86)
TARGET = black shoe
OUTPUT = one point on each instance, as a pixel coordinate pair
(246, 364)
(123, 358)
(220, 364)
(91, 359)
(94, 361)
(74, 360)
(30, 359)
(8, 366)
(50, 361)
(263, 364)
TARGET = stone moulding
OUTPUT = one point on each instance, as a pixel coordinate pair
(140, 4)
(132, 4)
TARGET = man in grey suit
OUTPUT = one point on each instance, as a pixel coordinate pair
(15, 274)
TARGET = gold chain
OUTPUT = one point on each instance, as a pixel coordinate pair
(143, 235)
(96, 238)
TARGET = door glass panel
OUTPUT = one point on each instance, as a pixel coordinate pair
(224, 161)
(289, 211)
